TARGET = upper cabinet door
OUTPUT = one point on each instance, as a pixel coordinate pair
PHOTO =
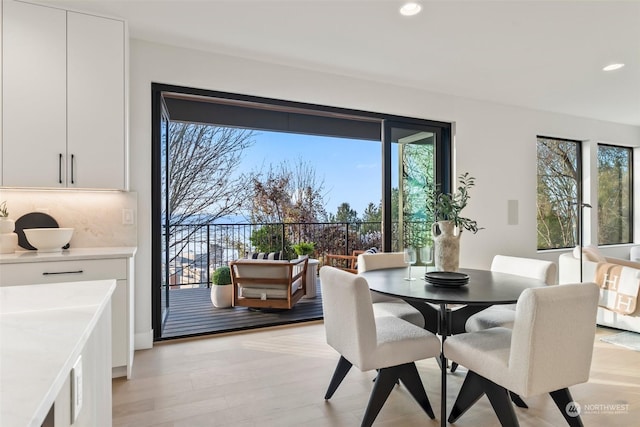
(96, 141)
(34, 131)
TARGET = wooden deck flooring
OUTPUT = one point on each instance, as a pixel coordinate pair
(192, 313)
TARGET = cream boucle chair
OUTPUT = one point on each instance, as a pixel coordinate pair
(504, 315)
(387, 344)
(521, 360)
(384, 305)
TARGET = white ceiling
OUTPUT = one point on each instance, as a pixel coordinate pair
(546, 55)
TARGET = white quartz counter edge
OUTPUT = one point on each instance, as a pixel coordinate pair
(44, 329)
(69, 254)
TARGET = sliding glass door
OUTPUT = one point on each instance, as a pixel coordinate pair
(415, 156)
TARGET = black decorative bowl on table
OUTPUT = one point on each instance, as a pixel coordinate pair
(446, 279)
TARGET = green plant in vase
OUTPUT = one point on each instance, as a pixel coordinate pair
(445, 209)
(221, 291)
(304, 248)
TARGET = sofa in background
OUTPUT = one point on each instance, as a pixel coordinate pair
(592, 260)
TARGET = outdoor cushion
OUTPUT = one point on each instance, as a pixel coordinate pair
(268, 291)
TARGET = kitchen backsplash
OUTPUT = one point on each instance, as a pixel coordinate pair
(96, 216)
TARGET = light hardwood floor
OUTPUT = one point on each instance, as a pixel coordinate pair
(278, 377)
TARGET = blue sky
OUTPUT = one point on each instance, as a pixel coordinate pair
(350, 168)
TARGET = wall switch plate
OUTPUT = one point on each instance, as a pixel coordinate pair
(76, 389)
(127, 217)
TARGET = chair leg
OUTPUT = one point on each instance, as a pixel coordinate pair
(385, 381)
(338, 375)
(517, 400)
(501, 402)
(411, 379)
(473, 387)
(563, 398)
(468, 395)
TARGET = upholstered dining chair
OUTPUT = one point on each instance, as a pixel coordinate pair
(521, 360)
(504, 315)
(387, 344)
(384, 305)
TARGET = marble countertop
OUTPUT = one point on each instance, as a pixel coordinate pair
(71, 254)
(43, 329)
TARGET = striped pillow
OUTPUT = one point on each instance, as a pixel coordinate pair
(265, 255)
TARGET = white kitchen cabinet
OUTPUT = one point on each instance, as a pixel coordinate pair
(78, 270)
(34, 125)
(64, 100)
(95, 97)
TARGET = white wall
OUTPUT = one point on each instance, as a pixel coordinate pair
(495, 143)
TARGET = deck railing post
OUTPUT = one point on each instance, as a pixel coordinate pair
(208, 256)
(282, 239)
(346, 239)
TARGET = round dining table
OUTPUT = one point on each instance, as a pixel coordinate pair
(447, 308)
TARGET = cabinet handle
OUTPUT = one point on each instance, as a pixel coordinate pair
(46, 273)
(60, 168)
(72, 160)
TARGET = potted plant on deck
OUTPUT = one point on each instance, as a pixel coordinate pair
(445, 210)
(221, 289)
(304, 249)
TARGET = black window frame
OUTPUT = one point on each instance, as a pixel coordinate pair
(292, 116)
(631, 192)
(579, 203)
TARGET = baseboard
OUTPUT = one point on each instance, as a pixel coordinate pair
(143, 340)
(119, 371)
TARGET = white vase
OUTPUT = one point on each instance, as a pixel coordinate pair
(8, 243)
(447, 246)
(7, 225)
(8, 239)
(303, 256)
(221, 295)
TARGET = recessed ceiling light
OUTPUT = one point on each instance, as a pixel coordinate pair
(612, 67)
(410, 9)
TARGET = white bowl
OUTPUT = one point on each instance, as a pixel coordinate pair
(48, 239)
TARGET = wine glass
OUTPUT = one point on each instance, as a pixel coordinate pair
(426, 255)
(410, 258)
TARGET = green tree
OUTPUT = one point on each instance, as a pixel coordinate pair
(614, 186)
(345, 214)
(558, 184)
(268, 238)
(372, 213)
(285, 193)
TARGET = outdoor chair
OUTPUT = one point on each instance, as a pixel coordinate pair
(268, 284)
(343, 262)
